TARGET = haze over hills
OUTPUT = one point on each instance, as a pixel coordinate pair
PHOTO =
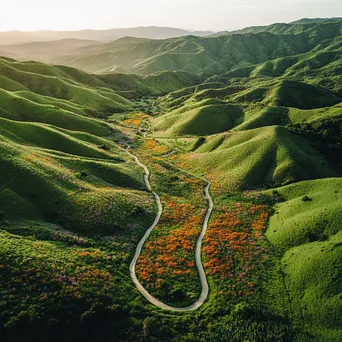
(255, 117)
(203, 56)
(152, 32)
(198, 55)
(45, 51)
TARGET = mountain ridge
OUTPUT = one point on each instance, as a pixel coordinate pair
(105, 35)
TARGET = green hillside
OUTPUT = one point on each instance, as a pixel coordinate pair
(75, 90)
(206, 117)
(306, 227)
(259, 102)
(298, 26)
(58, 169)
(203, 56)
(44, 51)
(263, 126)
(198, 55)
(34, 77)
(264, 156)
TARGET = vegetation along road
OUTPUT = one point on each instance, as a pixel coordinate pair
(202, 276)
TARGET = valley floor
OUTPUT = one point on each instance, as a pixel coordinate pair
(198, 251)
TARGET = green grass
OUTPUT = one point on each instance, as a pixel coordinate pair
(298, 221)
(307, 228)
(203, 56)
(201, 120)
(260, 157)
(16, 107)
(41, 82)
(260, 116)
(300, 95)
(64, 186)
(48, 137)
(313, 278)
(245, 104)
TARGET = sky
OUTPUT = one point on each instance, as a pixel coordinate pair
(216, 15)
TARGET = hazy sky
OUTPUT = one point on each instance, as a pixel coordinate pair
(189, 14)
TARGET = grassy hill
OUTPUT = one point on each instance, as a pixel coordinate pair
(202, 56)
(56, 155)
(72, 99)
(264, 156)
(257, 103)
(263, 126)
(284, 91)
(306, 227)
(45, 51)
(68, 195)
(34, 77)
(203, 118)
(61, 168)
(300, 25)
(197, 55)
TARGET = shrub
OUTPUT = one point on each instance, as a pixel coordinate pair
(81, 174)
(306, 199)
(104, 147)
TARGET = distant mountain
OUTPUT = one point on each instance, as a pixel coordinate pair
(282, 28)
(152, 32)
(45, 51)
(315, 20)
(201, 56)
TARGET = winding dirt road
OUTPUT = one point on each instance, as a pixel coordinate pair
(202, 276)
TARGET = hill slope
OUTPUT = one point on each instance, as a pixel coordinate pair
(263, 156)
(307, 228)
(205, 56)
(300, 25)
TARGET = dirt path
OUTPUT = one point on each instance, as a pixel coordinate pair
(202, 276)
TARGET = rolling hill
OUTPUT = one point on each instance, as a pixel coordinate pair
(300, 25)
(306, 227)
(64, 182)
(45, 52)
(257, 113)
(202, 56)
(190, 53)
(274, 125)
(265, 156)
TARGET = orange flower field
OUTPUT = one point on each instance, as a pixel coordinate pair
(154, 147)
(135, 120)
(166, 266)
(235, 247)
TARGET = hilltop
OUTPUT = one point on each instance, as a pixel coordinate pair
(281, 28)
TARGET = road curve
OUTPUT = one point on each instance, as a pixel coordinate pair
(202, 276)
